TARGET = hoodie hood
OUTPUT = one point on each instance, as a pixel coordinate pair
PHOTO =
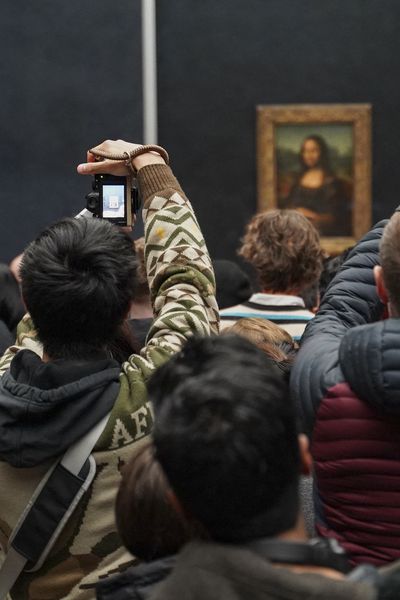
(370, 360)
(46, 407)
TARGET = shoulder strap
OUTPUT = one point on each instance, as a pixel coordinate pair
(50, 507)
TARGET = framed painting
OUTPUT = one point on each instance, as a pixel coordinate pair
(316, 158)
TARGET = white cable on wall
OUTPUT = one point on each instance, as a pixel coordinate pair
(149, 62)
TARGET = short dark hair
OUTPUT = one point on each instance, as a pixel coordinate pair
(284, 248)
(78, 279)
(330, 268)
(225, 434)
(389, 253)
(148, 524)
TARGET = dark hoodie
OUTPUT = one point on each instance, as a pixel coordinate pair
(137, 582)
(46, 407)
(346, 379)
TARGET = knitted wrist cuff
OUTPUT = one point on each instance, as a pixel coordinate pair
(155, 178)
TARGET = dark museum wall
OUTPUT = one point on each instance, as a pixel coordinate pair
(71, 75)
(218, 60)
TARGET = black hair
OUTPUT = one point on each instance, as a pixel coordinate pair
(11, 306)
(225, 434)
(324, 160)
(78, 279)
(330, 267)
(310, 296)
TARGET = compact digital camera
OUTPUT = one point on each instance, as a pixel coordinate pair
(113, 198)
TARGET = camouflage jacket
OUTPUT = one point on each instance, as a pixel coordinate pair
(182, 286)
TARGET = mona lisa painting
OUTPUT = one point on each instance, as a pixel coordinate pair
(317, 159)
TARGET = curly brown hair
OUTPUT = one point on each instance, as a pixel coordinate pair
(284, 248)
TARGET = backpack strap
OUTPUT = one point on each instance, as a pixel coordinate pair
(52, 503)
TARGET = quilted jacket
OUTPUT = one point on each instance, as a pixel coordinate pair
(346, 381)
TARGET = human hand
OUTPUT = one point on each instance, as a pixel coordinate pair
(117, 167)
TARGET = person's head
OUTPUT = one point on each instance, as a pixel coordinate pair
(225, 435)
(148, 524)
(233, 285)
(314, 153)
(330, 267)
(11, 306)
(284, 248)
(387, 275)
(277, 343)
(78, 279)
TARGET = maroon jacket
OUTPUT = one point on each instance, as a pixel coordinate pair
(346, 380)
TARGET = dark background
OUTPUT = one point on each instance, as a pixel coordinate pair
(71, 76)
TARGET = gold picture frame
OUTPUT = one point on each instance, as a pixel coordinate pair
(349, 126)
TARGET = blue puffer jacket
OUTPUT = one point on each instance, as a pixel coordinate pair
(346, 380)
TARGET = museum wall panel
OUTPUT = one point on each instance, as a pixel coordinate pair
(70, 75)
(218, 60)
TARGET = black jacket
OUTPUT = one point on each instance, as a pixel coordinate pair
(350, 300)
(136, 583)
(211, 571)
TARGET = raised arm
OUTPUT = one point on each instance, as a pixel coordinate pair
(179, 270)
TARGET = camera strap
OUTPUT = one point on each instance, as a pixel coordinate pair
(48, 510)
(319, 552)
(129, 156)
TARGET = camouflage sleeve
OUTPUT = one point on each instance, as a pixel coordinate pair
(26, 338)
(179, 270)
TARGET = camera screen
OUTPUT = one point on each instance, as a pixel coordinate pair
(113, 201)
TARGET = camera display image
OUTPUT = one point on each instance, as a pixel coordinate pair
(113, 201)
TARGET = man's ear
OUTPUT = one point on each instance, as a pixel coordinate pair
(305, 455)
(380, 285)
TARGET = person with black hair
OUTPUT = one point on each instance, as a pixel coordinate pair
(226, 436)
(62, 377)
(149, 526)
(11, 307)
(331, 265)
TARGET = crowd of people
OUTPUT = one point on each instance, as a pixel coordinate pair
(168, 429)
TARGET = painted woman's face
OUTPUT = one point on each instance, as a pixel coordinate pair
(310, 153)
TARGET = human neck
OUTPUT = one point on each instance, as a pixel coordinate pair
(294, 292)
(299, 534)
(392, 311)
(141, 309)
